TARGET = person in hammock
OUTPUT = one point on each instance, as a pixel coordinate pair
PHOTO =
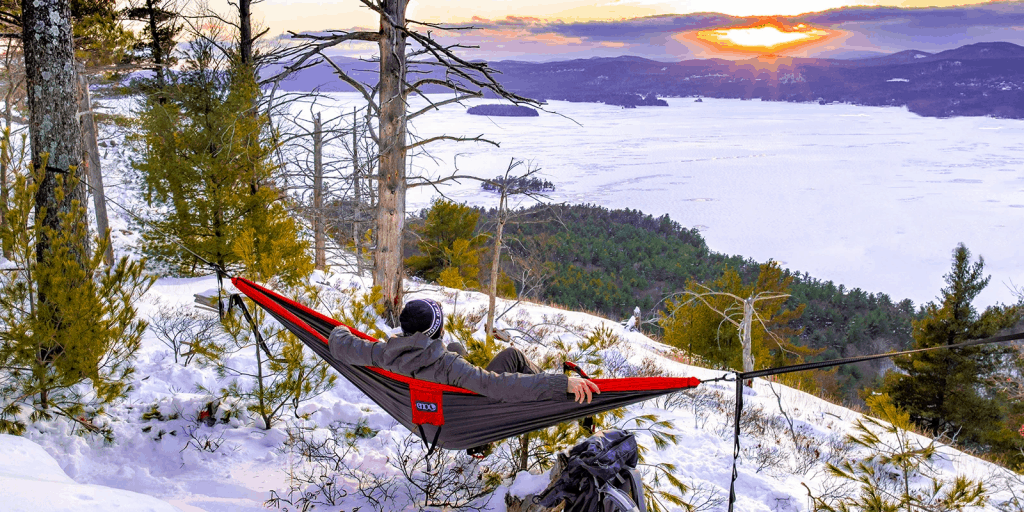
(419, 353)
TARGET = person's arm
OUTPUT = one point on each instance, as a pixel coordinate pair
(504, 387)
(352, 349)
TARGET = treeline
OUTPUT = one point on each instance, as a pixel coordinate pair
(517, 185)
(587, 257)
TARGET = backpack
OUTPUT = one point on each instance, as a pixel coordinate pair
(598, 475)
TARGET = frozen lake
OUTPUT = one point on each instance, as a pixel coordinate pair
(875, 198)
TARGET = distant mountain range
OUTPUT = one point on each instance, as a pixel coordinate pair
(973, 80)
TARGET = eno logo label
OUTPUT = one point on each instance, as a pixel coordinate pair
(426, 406)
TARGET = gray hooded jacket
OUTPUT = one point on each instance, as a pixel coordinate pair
(420, 357)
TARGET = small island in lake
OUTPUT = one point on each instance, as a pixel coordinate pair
(502, 110)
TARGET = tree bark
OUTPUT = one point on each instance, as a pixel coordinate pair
(388, 271)
(7, 152)
(357, 232)
(245, 42)
(5, 158)
(92, 160)
(319, 245)
(493, 287)
(52, 84)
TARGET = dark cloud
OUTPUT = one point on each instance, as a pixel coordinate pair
(866, 30)
(636, 29)
(1009, 14)
(891, 19)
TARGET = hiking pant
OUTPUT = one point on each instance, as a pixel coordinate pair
(512, 360)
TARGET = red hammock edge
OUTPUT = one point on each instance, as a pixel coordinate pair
(259, 294)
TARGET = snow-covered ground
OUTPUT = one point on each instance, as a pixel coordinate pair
(31, 481)
(160, 458)
(702, 168)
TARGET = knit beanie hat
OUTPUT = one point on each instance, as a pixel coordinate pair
(422, 315)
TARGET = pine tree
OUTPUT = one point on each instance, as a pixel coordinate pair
(894, 475)
(448, 239)
(101, 40)
(70, 365)
(207, 164)
(161, 29)
(949, 391)
(282, 375)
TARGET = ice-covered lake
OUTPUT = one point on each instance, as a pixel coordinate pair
(875, 198)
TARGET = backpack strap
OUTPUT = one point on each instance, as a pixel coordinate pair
(633, 485)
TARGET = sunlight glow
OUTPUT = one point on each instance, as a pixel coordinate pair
(766, 36)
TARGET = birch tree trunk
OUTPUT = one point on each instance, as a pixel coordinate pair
(52, 85)
(388, 272)
(319, 245)
(92, 160)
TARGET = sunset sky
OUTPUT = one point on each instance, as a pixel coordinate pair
(668, 30)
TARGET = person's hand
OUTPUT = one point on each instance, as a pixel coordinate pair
(583, 389)
(343, 328)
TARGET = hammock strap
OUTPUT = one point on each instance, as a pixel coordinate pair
(742, 376)
(236, 300)
(430, 446)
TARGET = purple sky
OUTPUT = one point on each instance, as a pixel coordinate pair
(858, 31)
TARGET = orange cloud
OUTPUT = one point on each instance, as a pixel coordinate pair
(764, 36)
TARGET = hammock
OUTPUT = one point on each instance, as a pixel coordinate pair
(455, 418)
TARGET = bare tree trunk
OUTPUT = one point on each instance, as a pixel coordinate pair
(92, 160)
(748, 320)
(357, 232)
(245, 40)
(52, 84)
(319, 257)
(6, 153)
(388, 271)
(524, 453)
(493, 287)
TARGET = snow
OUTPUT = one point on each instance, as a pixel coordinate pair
(251, 462)
(868, 197)
(32, 481)
(828, 200)
(527, 484)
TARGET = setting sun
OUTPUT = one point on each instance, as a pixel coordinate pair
(766, 36)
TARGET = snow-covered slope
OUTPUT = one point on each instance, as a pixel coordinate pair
(162, 449)
(160, 458)
(32, 481)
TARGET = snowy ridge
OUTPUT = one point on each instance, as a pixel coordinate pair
(250, 462)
